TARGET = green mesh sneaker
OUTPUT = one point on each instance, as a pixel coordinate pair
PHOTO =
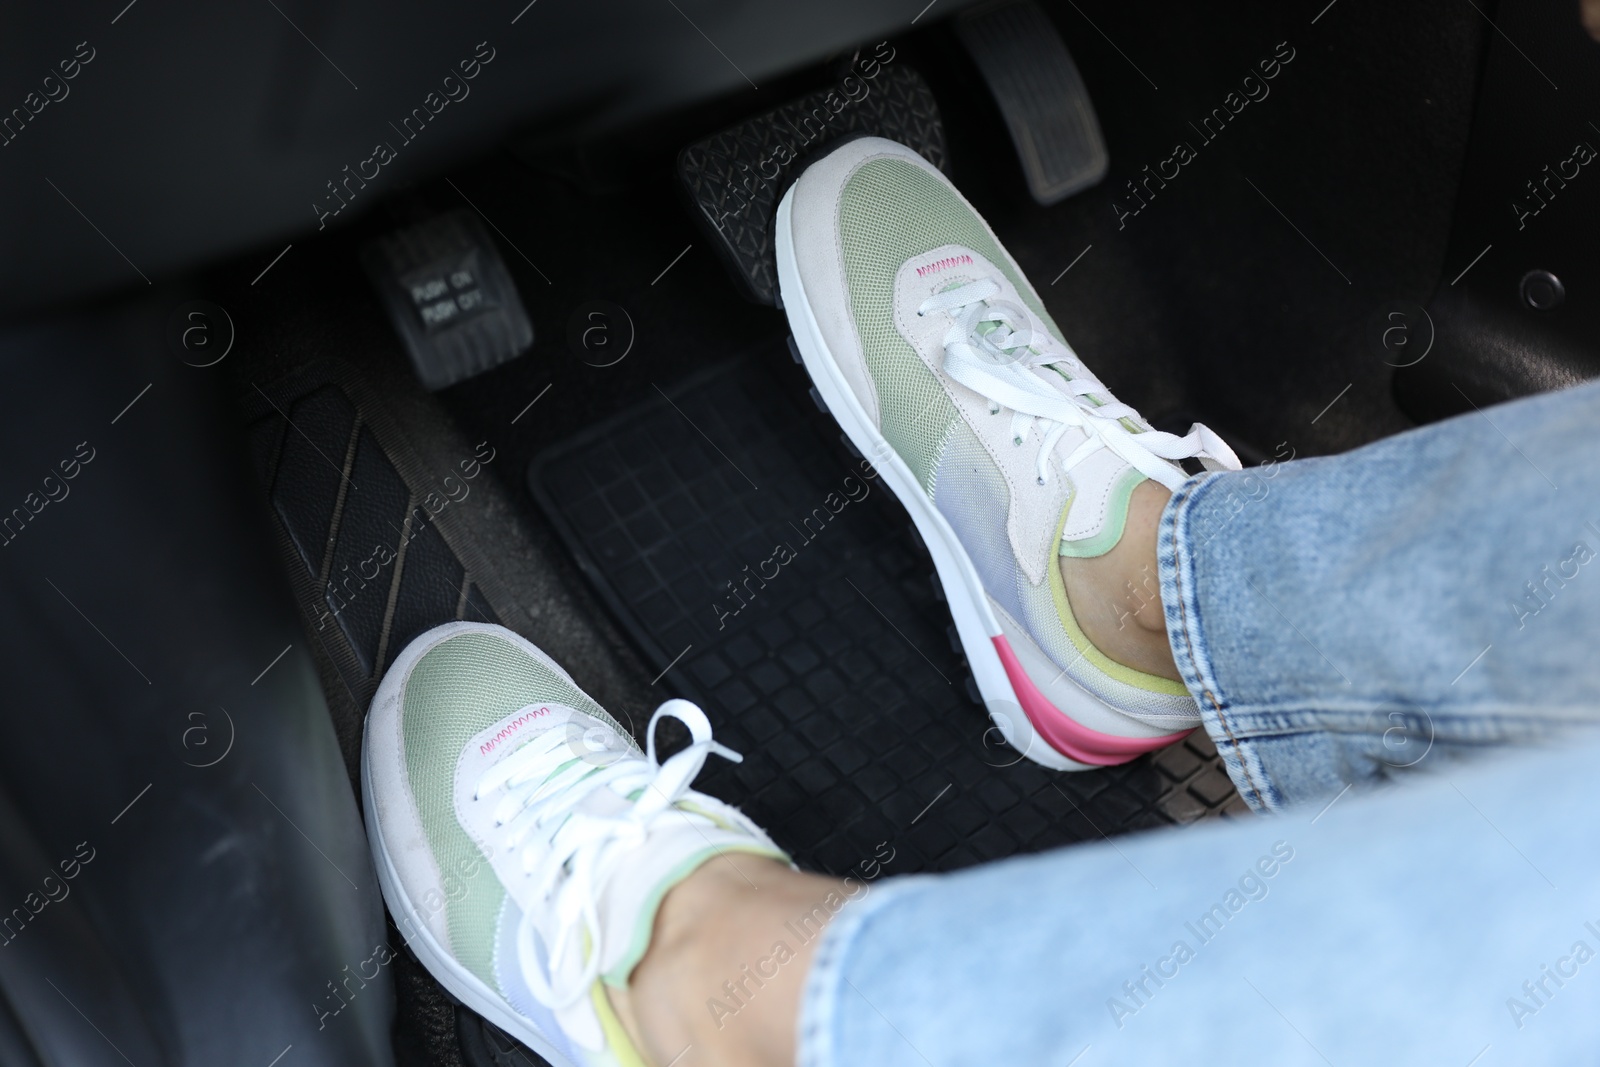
(943, 367)
(522, 840)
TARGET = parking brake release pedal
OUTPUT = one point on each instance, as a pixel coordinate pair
(1032, 77)
(449, 296)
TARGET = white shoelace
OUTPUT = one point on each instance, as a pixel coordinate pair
(1005, 362)
(578, 850)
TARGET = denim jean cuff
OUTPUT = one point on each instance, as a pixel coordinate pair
(817, 1029)
(1176, 556)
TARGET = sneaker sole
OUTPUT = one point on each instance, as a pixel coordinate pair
(1025, 717)
(459, 982)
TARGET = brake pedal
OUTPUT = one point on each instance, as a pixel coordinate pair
(1033, 79)
(450, 298)
(735, 178)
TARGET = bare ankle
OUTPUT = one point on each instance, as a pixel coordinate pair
(714, 979)
(1116, 597)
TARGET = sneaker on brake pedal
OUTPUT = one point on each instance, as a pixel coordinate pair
(943, 367)
(522, 840)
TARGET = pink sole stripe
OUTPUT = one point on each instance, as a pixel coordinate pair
(1063, 734)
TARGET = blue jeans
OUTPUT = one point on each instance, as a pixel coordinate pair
(1347, 622)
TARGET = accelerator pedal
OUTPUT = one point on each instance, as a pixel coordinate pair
(1033, 79)
(734, 178)
(449, 297)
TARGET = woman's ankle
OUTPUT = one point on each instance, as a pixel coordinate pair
(1116, 597)
(714, 978)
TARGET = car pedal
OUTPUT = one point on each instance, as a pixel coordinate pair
(1036, 84)
(735, 178)
(449, 297)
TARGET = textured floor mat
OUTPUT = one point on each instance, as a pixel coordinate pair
(770, 579)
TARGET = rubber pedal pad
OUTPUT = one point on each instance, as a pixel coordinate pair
(735, 178)
(1040, 94)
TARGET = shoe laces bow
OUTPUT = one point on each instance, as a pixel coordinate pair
(995, 348)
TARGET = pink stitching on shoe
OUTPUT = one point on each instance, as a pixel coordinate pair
(943, 264)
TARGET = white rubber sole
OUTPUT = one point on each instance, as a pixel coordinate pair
(976, 623)
(461, 983)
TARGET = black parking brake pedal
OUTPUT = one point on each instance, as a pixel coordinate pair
(735, 178)
(450, 297)
(1046, 107)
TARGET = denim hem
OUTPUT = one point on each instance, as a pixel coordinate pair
(815, 1037)
(1185, 633)
(1282, 751)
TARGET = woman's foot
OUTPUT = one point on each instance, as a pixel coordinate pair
(524, 844)
(942, 366)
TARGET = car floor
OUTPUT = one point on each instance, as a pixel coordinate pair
(1240, 294)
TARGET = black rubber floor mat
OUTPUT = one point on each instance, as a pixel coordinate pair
(770, 579)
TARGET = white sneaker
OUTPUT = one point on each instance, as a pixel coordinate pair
(522, 840)
(943, 367)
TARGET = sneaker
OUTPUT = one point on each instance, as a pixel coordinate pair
(522, 840)
(943, 367)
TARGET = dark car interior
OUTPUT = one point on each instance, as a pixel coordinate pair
(469, 312)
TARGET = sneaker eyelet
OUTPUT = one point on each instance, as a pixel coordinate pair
(1042, 481)
(1016, 441)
